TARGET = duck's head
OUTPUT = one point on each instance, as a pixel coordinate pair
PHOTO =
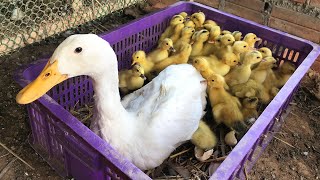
(224, 32)
(287, 68)
(201, 64)
(211, 22)
(138, 71)
(187, 31)
(189, 23)
(176, 19)
(198, 18)
(240, 47)
(251, 38)
(266, 52)
(250, 102)
(183, 14)
(237, 35)
(201, 35)
(230, 59)
(138, 57)
(216, 81)
(252, 57)
(214, 32)
(267, 63)
(167, 44)
(86, 54)
(226, 39)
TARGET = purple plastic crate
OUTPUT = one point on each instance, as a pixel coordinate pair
(73, 150)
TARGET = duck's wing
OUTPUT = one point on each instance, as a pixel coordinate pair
(171, 104)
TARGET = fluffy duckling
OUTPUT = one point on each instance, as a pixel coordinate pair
(189, 23)
(176, 19)
(248, 89)
(132, 79)
(176, 33)
(140, 58)
(225, 107)
(203, 66)
(249, 108)
(183, 14)
(198, 19)
(237, 35)
(259, 73)
(223, 45)
(284, 73)
(224, 32)
(161, 52)
(266, 52)
(214, 34)
(199, 38)
(251, 39)
(222, 66)
(240, 47)
(241, 74)
(181, 57)
(204, 138)
(186, 35)
(211, 22)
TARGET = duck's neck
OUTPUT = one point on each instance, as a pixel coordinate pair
(109, 111)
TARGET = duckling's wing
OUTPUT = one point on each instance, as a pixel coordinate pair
(171, 105)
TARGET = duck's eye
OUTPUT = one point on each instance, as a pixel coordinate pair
(137, 57)
(244, 46)
(137, 70)
(258, 57)
(212, 80)
(180, 20)
(254, 38)
(167, 44)
(235, 61)
(78, 50)
(195, 61)
(222, 33)
(47, 74)
(262, 51)
(229, 40)
(192, 31)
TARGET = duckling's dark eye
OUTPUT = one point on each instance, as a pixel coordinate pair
(229, 40)
(254, 38)
(137, 70)
(167, 44)
(222, 33)
(258, 57)
(192, 31)
(47, 74)
(78, 50)
(244, 46)
(180, 20)
(262, 51)
(195, 61)
(212, 80)
(137, 57)
(235, 61)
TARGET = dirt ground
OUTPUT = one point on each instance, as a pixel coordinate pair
(295, 154)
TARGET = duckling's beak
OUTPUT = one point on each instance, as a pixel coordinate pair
(49, 77)
(143, 77)
(258, 39)
(211, 41)
(172, 49)
(263, 60)
(132, 64)
(239, 63)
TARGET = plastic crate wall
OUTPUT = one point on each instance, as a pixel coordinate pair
(73, 150)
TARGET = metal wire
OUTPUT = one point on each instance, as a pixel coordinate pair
(24, 22)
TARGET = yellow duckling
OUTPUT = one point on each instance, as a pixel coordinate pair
(189, 23)
(214, 34)
(140, 58)
(176, 19)
(161, 52)
(248, 89)
(284, 73)
(183, 14)
(240, 47)
(222, 66)
(251, 39)
(176, 33)
(266, 52)
(211, 22)
(186, 35)
(241, 74)
(202, 65)
(204, 140)
(198, 19)
(132, 79)
(224, 32)
(259, 73)
(199, 38)
(223, 45)
(181, 57)
(249, 108)
(225, 107)
(237, 35)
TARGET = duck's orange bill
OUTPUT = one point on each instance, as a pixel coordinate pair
(48, 78)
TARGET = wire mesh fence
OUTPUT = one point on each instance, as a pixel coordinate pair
(24, 22)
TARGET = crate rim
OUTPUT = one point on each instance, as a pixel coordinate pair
(233, 158)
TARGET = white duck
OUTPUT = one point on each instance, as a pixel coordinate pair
(147, 125)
